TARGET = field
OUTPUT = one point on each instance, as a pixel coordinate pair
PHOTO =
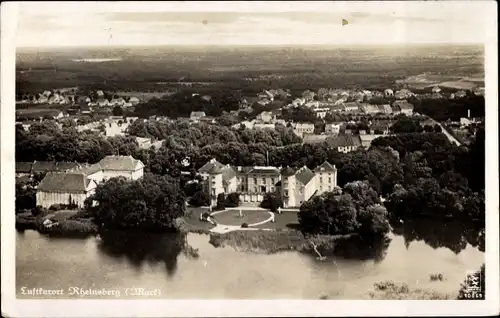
(163, 69)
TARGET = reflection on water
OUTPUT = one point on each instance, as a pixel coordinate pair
(139, 247)
(127, 259)
(452, 235)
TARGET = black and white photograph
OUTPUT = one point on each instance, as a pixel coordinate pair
(249, 151)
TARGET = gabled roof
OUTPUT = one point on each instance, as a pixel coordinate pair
(64, 182)
(326, 167)
(287, 171)
(44, 166)
(209, 166)
(304, 175)
(403, 104)
(65, 166)
(228, 173)
(197, 114)
(120, 163)
(90, 170)
(264, 170)
(344, 141)
(23, 167)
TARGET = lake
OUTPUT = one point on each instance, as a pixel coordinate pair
(156, 261)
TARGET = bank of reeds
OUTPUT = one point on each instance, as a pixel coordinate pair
(389, 290)
(276, 241)
(71, 228)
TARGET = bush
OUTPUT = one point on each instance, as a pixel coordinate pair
(200, 198)
(39, 211)
(26, 221)
(436, 277)
(271, 201)
(221, 201)
(232, 200)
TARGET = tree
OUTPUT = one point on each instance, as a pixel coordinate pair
(200, 198)
(221, 201)
(117, 111)
(406, 125)
(373, 221)
(232, 200)
(362, 194)
(272, 201)
(328, 214)
(150, 203)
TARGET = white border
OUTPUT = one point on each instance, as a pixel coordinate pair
(155, 308)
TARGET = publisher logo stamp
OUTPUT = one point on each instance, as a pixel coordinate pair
(473, 286)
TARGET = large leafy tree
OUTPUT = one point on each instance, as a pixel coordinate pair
(150, 203)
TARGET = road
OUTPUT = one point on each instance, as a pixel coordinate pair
(447, 134)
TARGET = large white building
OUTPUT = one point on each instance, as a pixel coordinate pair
(64, 188)
(296, 185)
(76, 185)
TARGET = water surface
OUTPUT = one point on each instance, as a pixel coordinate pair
(157, 261)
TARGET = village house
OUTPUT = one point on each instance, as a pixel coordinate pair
(196, 116)
(312, 104)
(64, 188)
(321, 112)
(265, 117)
(369, 109)
(344, 143)
(112, 167)
(23, 169)
(252, 183)
(351, 107)
(299, 102)
(302, 128)
(113, 129)
(388, 92)
(332, 129)
(460, 94)
(43, 167)
(403, 94)
(385, 108)
(314, 139)
(436, 89)
(403, 106)
(380, 128)
(117, 101)
(134, 100)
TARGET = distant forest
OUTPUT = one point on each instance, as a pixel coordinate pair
(247, 69)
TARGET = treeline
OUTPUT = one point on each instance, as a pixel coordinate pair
(453, 109)
(181, 104)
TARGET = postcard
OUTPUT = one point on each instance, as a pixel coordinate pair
(204, 159)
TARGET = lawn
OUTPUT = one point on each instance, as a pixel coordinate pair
(232, 217)
(285, 220)
(193, 219)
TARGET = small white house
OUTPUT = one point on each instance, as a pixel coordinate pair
(121, 166)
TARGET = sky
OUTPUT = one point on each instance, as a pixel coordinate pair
(243, 23)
